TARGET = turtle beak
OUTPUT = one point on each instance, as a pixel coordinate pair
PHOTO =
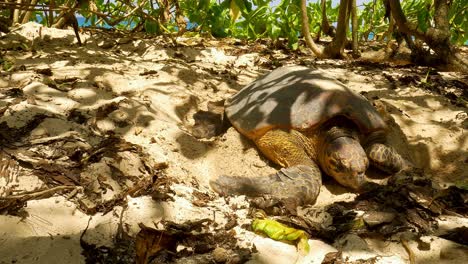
(361, 180)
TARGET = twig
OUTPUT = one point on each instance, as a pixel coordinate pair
(69, 135)
(405, 244)
(38, 194)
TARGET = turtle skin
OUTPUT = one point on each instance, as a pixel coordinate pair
(307, 122)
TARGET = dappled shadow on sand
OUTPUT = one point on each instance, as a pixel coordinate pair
(66, 106)
(74, 114)
(127, 235)
(59, 120)
(426, 132)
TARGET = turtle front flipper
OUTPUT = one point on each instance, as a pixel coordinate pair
(299, 183)
(386, 158)
(300, 180)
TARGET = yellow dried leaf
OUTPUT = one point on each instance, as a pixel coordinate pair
(234, 11)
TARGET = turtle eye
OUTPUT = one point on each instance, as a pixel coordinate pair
(339, 167)
(332, 162)
(335, 166)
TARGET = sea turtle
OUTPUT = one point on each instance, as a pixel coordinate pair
(307, 122)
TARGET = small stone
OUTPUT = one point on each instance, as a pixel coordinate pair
(45, 71)
(220, 255)
(106, 44)
(88, 206)
(374, 218)
(124, 40)
(260, 164)
(138, 130)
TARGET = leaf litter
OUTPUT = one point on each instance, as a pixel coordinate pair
(100, 153)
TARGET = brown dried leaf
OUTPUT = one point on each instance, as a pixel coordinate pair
(150, 242)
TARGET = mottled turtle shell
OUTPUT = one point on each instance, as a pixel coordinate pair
(298, 98)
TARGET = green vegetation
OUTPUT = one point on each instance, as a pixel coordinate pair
(379, 20)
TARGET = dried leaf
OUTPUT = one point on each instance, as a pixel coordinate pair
(234, 11)
(150, 242)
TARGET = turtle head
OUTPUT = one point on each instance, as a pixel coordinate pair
(345, 160)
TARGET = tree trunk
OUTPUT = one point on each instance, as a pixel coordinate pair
(437, 37)
(326, 28)
(306, 32)
(67, 17)
(355, 28)
(179, 18)
(61, 22)
(165, 7)
(16, 13)
(336, 47)
(27, 14)
(51, 13)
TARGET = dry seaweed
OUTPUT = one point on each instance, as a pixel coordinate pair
(106, 168)
(123, 250)
(193, 239)
(414, 206)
